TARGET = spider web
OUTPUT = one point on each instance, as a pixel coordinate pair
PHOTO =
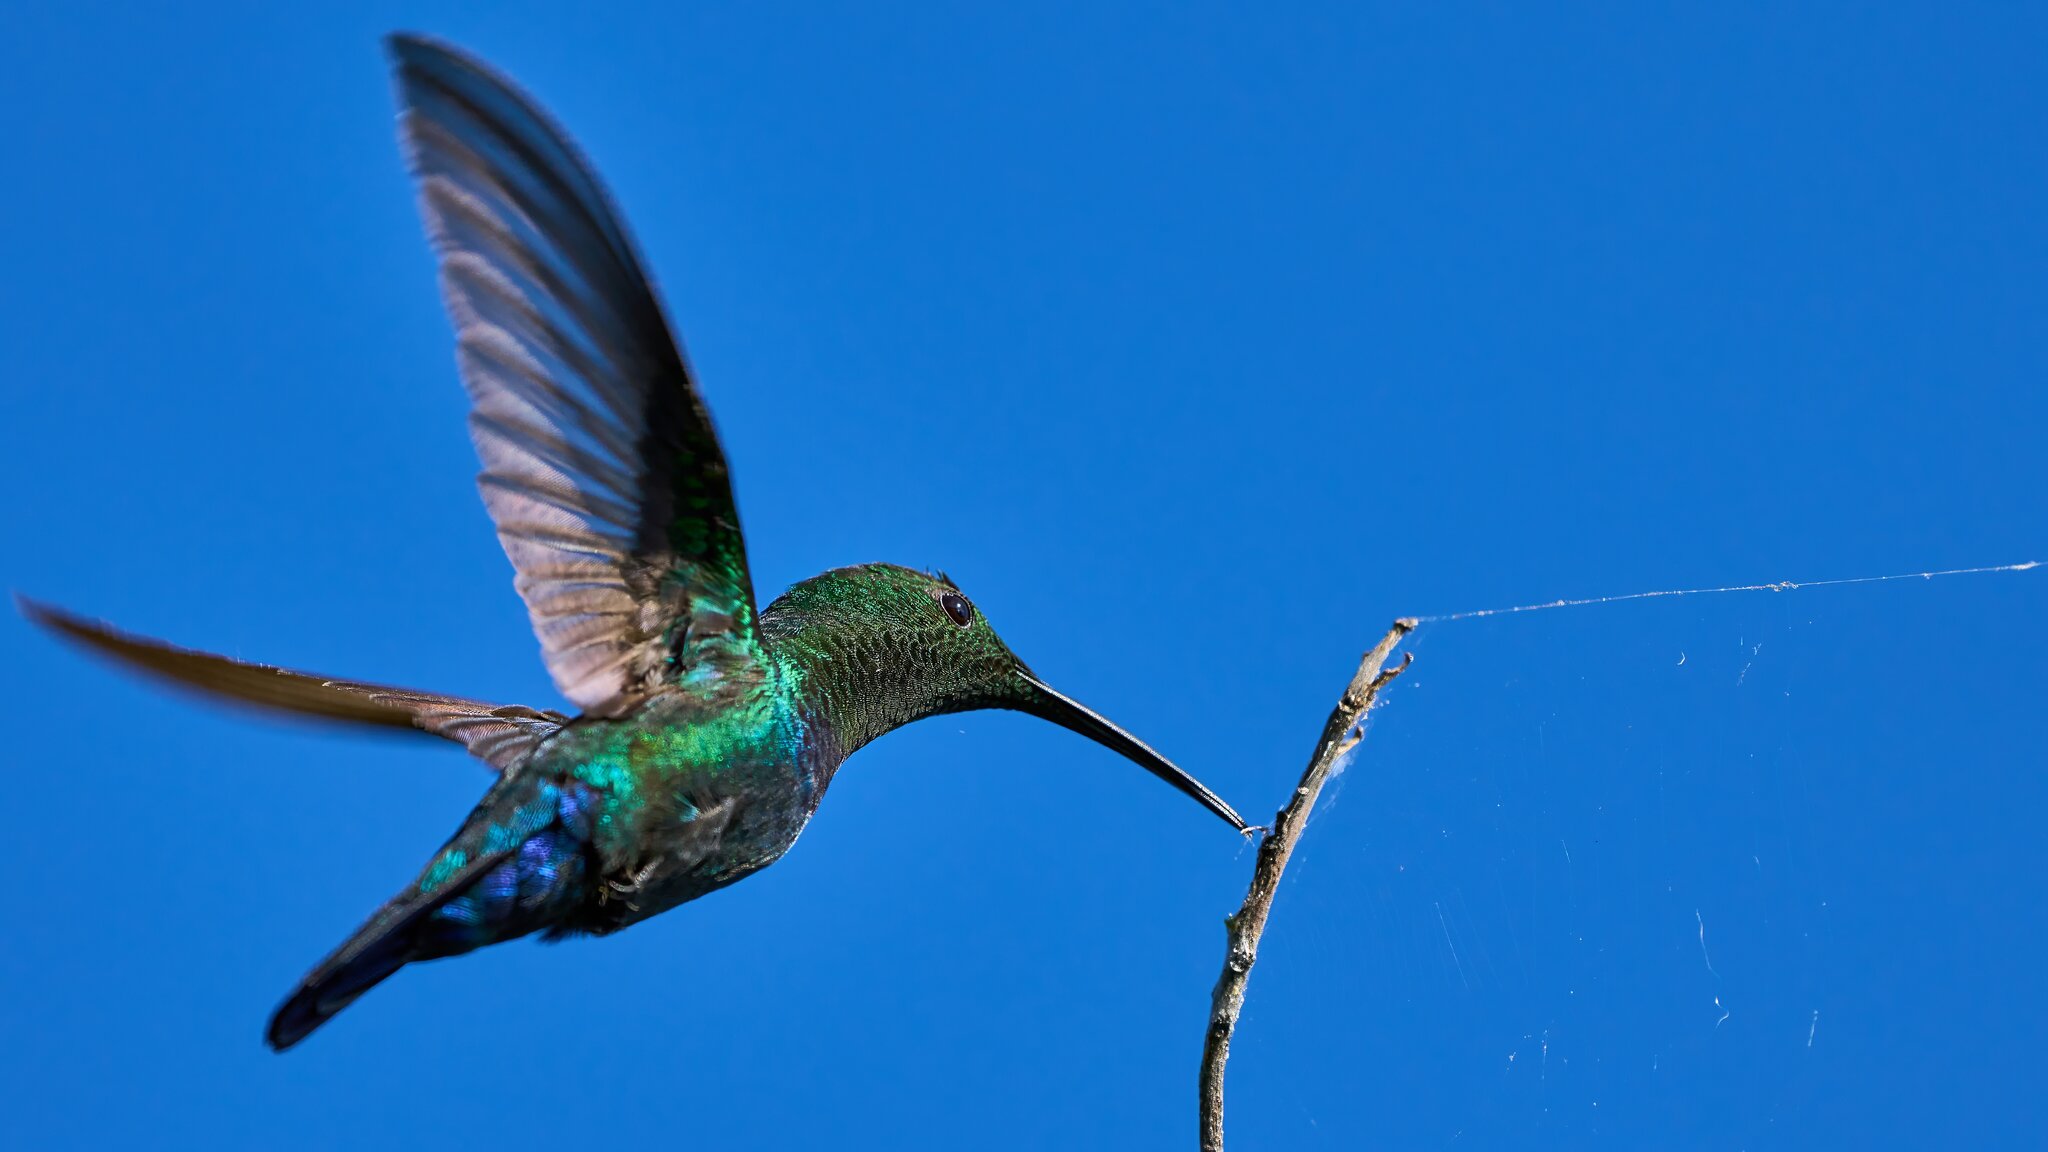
(1646, 876)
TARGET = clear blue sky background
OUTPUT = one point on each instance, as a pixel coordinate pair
(1196, 345)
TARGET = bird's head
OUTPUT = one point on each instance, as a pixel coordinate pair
(878, 646)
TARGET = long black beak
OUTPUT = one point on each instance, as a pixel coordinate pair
(1046, 704)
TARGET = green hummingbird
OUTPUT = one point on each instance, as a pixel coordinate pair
(708, 731)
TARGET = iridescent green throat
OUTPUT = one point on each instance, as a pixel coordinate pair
(868, 649)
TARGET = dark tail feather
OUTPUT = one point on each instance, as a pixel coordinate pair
(395, 937)
(331, 987)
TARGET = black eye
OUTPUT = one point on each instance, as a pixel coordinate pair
(957, 607)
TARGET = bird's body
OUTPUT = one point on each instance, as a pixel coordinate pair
(699, 784)
(601, 825)
(708, 732)
(676, 798)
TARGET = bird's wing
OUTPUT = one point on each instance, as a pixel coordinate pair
(600, 465)
(497, 735)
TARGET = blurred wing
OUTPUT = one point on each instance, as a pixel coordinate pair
(499, 736)
(600, 464)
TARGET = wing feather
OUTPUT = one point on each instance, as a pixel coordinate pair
(499, 735)
(601, 468)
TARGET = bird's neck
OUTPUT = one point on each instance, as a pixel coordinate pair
(852, 682)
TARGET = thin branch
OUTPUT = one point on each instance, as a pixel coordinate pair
(1245, 927)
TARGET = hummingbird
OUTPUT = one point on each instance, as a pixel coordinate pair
(707, 732)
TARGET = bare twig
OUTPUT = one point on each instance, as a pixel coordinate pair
(1245, 927)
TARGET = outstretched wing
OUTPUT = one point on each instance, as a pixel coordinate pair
(600, 464)
(497, 735)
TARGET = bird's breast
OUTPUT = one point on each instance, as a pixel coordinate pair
(692, 803)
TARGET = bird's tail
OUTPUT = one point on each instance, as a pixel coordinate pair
(381, 947)
(518, 865)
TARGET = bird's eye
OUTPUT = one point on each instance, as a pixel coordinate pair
(957, 607)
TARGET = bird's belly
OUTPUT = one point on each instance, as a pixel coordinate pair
(725, 842)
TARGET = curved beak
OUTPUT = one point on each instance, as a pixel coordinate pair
(1041, 701)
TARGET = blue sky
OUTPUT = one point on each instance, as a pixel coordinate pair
(1195, 344)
